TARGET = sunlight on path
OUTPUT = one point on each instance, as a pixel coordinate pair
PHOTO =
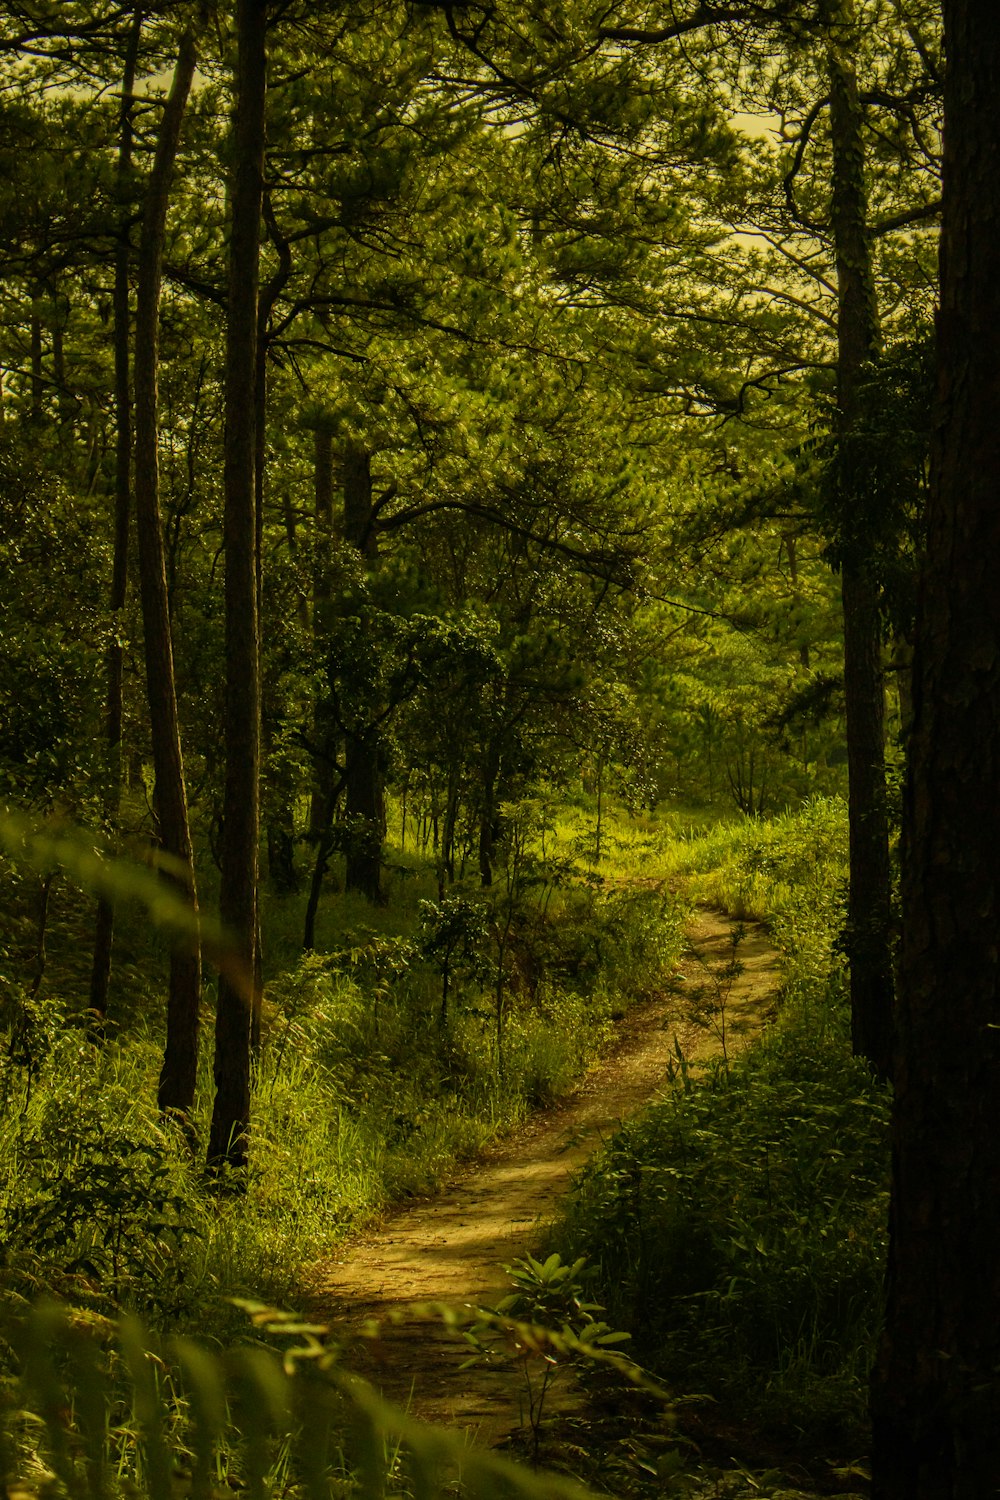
(452, 1247)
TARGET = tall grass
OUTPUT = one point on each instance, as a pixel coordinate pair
(740, 1223)
(365, 1094)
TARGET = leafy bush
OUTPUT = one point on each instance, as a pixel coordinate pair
(790, 872)
(99, 1197)
(741, 1222)
(741, 1226)
(122, 1415)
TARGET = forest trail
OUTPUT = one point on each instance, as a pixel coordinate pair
(452, 1247)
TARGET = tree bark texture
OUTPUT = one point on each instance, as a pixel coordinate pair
(100, 977)
(364, 793)
(180, 1062)
(488, 810)
(324, 770)
(858, 342)
(37, 374)
(241, 799)
(937, 1383)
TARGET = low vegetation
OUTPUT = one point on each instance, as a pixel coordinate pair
(736, 1229)
(739, 1225)
(412, 1040)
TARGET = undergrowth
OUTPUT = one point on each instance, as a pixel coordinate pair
(386, 1060)
(740, 1223)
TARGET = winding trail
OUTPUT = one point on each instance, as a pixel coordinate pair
(452, 1247)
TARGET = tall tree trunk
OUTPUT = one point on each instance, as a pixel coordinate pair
(100, 976)
(868, 939)
(241, 801)
(64, 398)
(936, 1394)
(259, 481)
(364, 794)
(37, 374)
(488, 809)
(177, 1076)
(323, 770)
(324, 849)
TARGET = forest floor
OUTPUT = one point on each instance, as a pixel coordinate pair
(452, 1246)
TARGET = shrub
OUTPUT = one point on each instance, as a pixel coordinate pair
(740, 1225)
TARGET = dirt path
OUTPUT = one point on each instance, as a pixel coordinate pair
(452, 1247)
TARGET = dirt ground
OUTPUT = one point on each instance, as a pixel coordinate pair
(452, 1247)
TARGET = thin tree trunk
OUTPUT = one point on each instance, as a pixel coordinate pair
(64, 398)
(100, 976)
(936, 1392)
(792, 548)
(238, 891)
(177, 1076)
(323, 771)
(259, 479)
(41, 930)
(37, 380)
(448, 836)
(324, 849)
(364, 795)
(868, 936)
(488, 811)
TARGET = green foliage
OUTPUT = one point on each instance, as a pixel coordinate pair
(97, 1203)
(98, 1414)
(741, 1227)
(740, 1223)
(875, 484)
(790, 872)
(50, 638)
(100, 1198)
(453, 937)
(547, 1327)
(362, 1094)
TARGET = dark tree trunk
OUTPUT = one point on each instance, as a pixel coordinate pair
(488, 812)
(324, 849)
(450, 824)
(937, 1384)
(37, 374)
(281, 869)
(180, 1061)
(238, 889)
(364, 806)
(64, 399)
(323, 770)
(41, 930)
(364, 795)
(868, 927)
(100, 976)
(792, 548)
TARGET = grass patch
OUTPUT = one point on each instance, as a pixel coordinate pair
(739, 1225)
(376, 1078)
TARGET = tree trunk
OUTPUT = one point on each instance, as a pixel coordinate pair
(37, 374)
(324, 849)
(180, 1061)
(488, 811)
(100, 976)
(323, 770)
(858, 339)
(448, 833)
(936, 1393)
(364, 795)
(283, 875)
(792, 548)
(241, 799)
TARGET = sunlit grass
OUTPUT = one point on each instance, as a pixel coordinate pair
(741, 1223)
(364, 1096)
